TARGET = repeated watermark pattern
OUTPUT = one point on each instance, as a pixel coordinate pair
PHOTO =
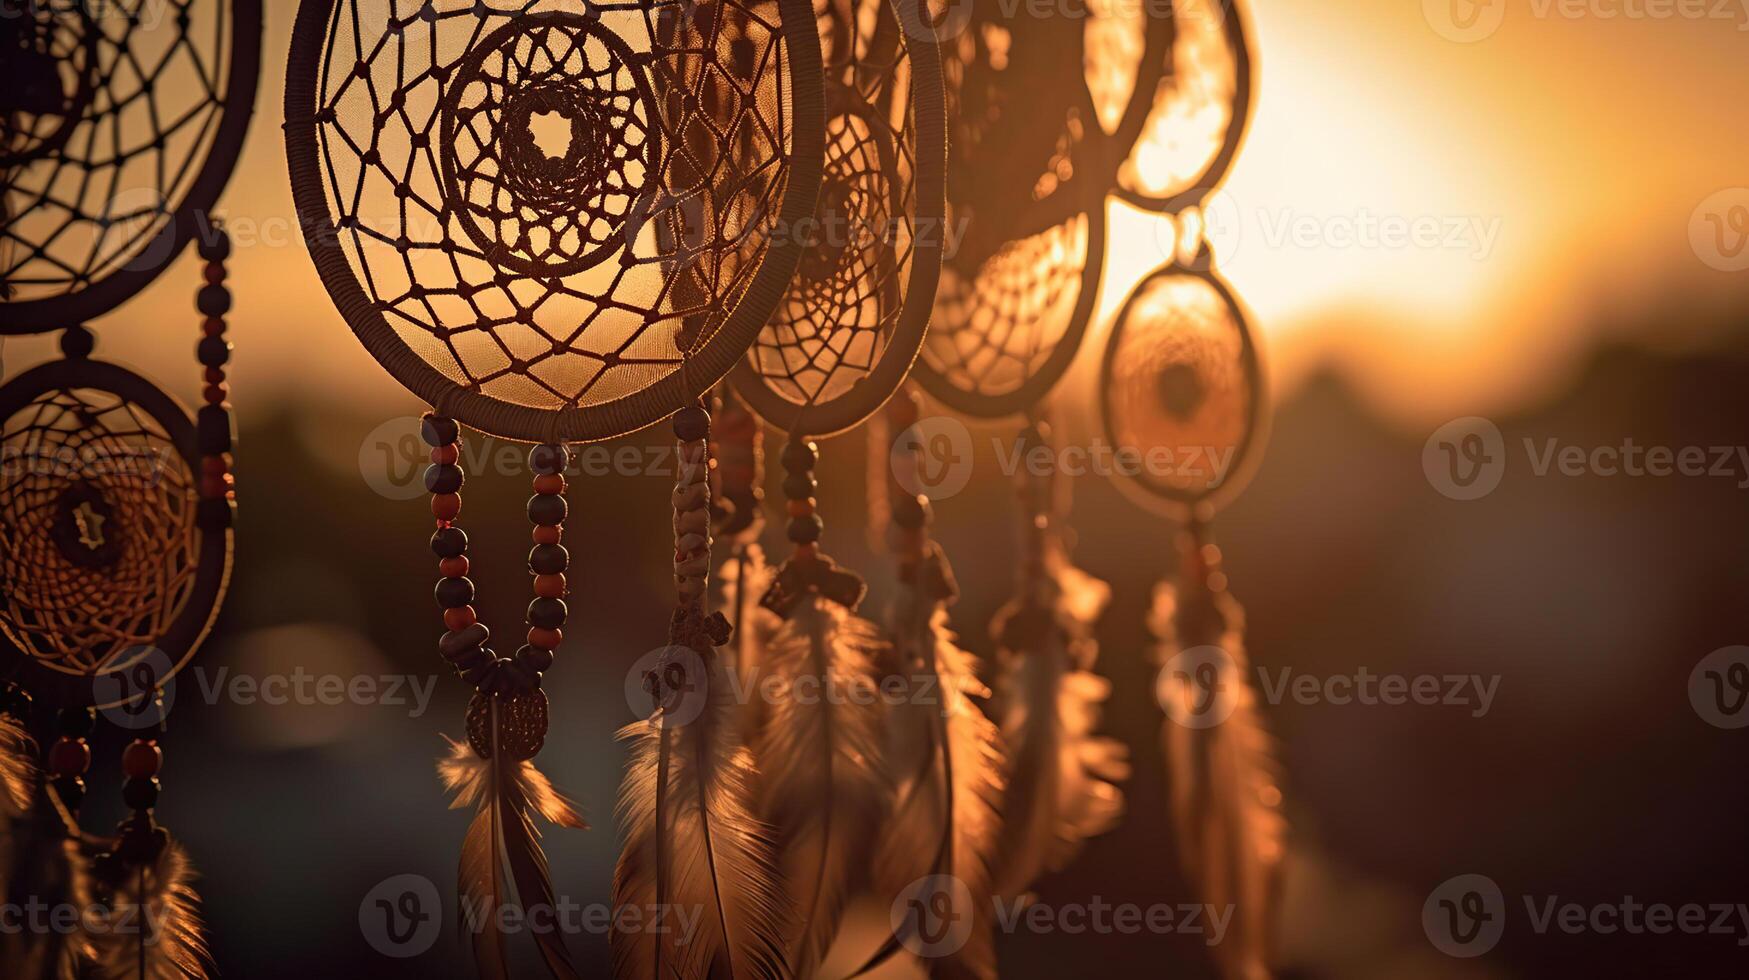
(1467, 915)
(1470, 21)
(1466, 458)
(1197, 688)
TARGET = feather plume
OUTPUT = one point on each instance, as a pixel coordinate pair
(17, 769)
(948, 760)
(686, 810)
(1063, 780)
(825, 787)
(1225, 802)
(147, 924)
(501, 851)
(43, 860)
(745, 577)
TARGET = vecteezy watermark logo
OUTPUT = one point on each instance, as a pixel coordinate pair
(392, 459)
(1197, 687)
(933, 458)
(1464, 21)
(669, 686)
(1465, 458)
(1718, 688)
(399, 917)
(933, 916)
(1718, 230)
(139, 694)
(1465, 916)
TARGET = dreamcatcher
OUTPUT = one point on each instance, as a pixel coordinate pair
(558, 224)
(117, 133)
(1181, 392)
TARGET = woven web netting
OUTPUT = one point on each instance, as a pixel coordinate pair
(108, 112)
(98, 542)
(994, 329)
(551, 202)
(841, 309)
(1195, 109)
(1178, 380)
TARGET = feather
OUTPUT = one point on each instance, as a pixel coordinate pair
(151, 927)
(501, 851)
(42, 860)
(824, 787)
(1063, 780)
(947, 818)
(692, 784)
(17, 769)
(1225, 802)
(745, 577)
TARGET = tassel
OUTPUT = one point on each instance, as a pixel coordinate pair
(492, 771)
(948, 758)
(707, 855)
(1063, 780)
(825, 787)
(153, 929)
(1226, 806)
(43, 860)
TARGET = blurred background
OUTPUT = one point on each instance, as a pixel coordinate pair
(1581, 167)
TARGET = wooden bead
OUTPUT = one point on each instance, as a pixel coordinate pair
(546, 509)
(213, 300)
(443, 478)
(548, 534)
(214, 273)
(213, 376)
(446, 455)
(548, 459)
(446, 506)
(459, 618)
(548, 559)
(453, 593)
(547, 613)
(534, 658)
(438, 430)
(549, 586)
(449, 542)
(69, 757)
(213, 326)
(141, 760)
(546, 639)
(800, 508)
(453, 567)
(213, 394)
(692, 423)
(549, 483)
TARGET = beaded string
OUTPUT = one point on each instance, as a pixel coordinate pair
(214, 351)
(692, 626)
(464, 642)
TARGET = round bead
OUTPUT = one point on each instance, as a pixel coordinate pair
(76, 722)
(548, 559)
(799, 486)
(77, 342)
(549, 586)
(548, 459)
(443, 478)
(547, 613)
(213, 326)
(213, 394)
(549, 483)
(461, 617)
(69, 757)
(799, 455)
(214, 246)
(141, 760)
(547, 534)
(449, 542)
(140, 793)
(438, 430)
(910, 512)
(213, 351)
(692, 422)
(453, 567)
(535, 658)
(546, 639)
(213, 273)
(806, 530)
(546, 509)
(446, 455)
(213, 376)
(453, 593)
(446, 506)
(800, 508)
(213, 301)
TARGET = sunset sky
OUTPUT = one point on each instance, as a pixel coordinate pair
(1549, 172)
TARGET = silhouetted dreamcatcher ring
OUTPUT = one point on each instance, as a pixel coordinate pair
(848, 329)
(532, 214)
(119, 124)
(110, 561)
(1182, 390)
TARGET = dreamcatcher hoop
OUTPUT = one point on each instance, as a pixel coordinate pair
(651, 400)
(901, 24)
(53, 490)
(1191, 191)
(153, 241)
(1181, 389)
